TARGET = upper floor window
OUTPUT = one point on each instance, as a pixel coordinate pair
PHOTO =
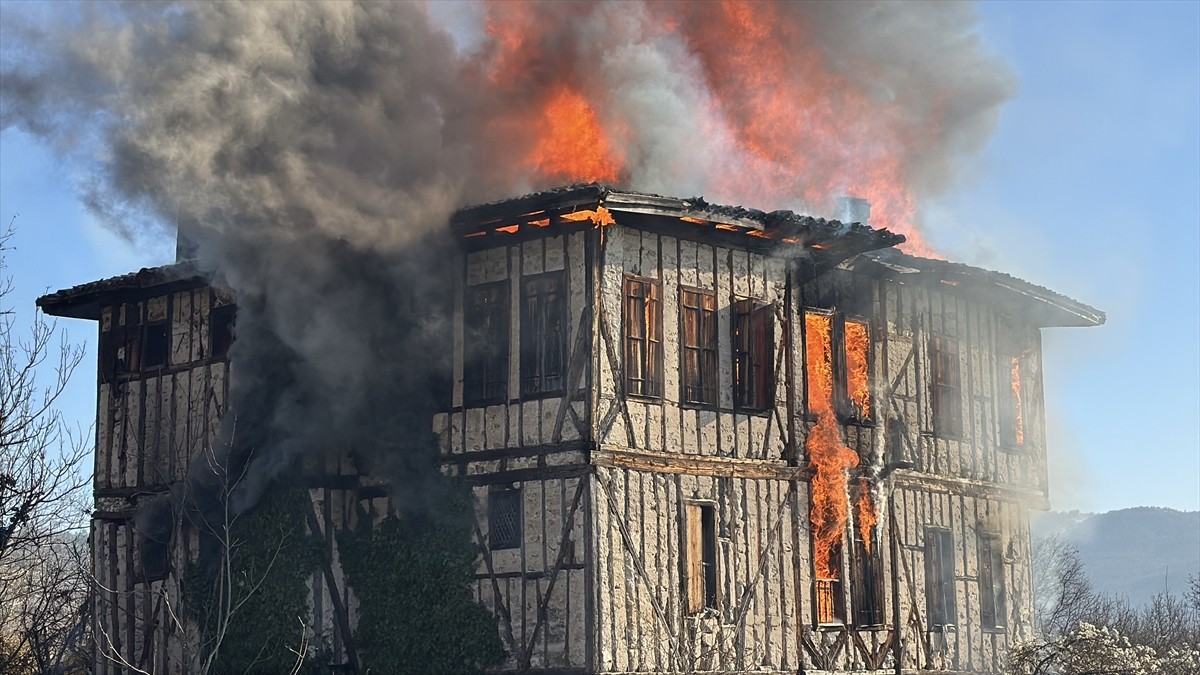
(992, 605)
(945, 387)
(1013, 400)
(222, 320)
(643, 337)
(485, 371)
(699, 310)
(753, 355)
(838, 366)
(939, 576)
(543, 333)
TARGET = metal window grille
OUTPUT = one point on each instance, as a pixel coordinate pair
(486, 317)
(504, 519)
(543, 333)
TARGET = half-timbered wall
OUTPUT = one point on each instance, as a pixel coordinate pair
(155, 417)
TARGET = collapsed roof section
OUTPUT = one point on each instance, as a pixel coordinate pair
(595, 205)
(1012, 296)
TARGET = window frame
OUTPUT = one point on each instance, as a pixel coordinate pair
(848, 411)
(1013, 413)
(480, 389)
(222, 331)
(535, 347)
(701, 555)
(516, 539)
(706, 349)
(752, 340)
(866, 576)
(940, 599)
(992, 589)
(945, 387)
(650, 357)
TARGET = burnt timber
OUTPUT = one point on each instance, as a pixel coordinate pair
(639, 464)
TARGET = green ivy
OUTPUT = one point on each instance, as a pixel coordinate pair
(412, 577)
(270, 548)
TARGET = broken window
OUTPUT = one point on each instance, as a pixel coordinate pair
(485, 372)
(543, 333)
(939, 576)
(854, 371)
(1012, 400)
(504, 519)
(867, 574)
(157, 344)
(643, 337)
(753, 355)
(947, 395)
(121, 345)
(992, 605)
(699, 346)
(221, 330)
(701, 557)
(837, 363)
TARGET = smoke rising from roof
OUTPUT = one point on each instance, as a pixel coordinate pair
(314, 151)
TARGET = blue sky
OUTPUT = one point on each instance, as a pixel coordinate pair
(1091, 186)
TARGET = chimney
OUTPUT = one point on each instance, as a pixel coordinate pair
(854, 210)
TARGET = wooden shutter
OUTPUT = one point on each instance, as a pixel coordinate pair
(694, 557)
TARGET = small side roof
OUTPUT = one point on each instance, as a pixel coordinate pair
(83, 301)
(1015, 297)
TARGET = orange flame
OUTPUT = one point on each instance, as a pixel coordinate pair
(858, 388)
(572, 144)
(826, 451)
(1018, 408)
(799, 133)
(865, 517)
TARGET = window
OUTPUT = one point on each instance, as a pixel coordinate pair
(939, 576)
(699, 346)
(947, 397)
(753, 355)
(155, 558)
(504, 519)
(701, 557)
(854, 370)
(1012, 401)
(643, 337)
(485, 373)
(221, 332)
(827, 587)
(838, 366)
(543, 333)
(867, 573)
(157, 343)
(992, 609)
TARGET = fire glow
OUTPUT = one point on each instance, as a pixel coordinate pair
(1018, 408)
(827, 454)
(777, 118)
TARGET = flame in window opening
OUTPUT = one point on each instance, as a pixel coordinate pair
(858, 387)
(865, 516)
(1018, 406)
(826, 451)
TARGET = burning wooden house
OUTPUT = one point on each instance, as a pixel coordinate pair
(700, 439)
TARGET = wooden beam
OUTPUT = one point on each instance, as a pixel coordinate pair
(696, 465)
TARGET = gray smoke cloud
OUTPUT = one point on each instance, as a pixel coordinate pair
(314, 151)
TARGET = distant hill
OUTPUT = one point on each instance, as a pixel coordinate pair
(1132, 552)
